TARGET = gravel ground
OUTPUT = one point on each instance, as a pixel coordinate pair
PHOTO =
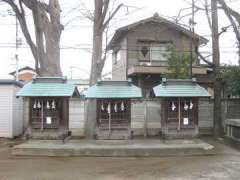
(223, 166)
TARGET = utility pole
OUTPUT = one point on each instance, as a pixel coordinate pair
(17, 42)
(71, 72)
(191, 24)
(218, 130)
(16, 55)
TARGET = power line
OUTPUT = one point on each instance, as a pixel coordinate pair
(128, 50)
(89, 45)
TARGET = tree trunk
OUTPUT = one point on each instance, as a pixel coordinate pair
(218, 130)
(48, 33)
(97, 62)
(90, 125)
(46, 18)
(96, 70)
(100, 22)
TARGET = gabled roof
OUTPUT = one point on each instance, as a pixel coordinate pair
(40, 87)
(11, 82)
(180, 88)
(157, 19)
(79, 81)
(26, 68)
(113, 89)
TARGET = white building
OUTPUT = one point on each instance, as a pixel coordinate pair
(82, 84)
(11, 117)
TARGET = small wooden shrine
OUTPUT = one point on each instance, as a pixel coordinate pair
(113, 108)
(48, 103)
(179, 106)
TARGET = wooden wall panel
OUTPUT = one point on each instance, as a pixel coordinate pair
(76, 116)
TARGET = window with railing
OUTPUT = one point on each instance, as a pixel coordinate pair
(149, 52)
(46, 113)
(113, 114)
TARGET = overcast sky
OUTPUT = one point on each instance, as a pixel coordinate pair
(76, 38)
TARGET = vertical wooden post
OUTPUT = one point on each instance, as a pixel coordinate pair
(191, 24)
(164, 115)
(109, 120)
(179, 114)
(42, 116)
(145, 119)
(91, 116)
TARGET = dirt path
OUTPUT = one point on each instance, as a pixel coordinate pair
(226, 165)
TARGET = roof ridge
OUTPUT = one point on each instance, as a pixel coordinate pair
(155, 18)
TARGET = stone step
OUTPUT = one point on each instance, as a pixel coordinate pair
(130, 148)
(48, 135)
(113, 135)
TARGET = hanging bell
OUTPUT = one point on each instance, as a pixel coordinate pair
(48, 105)
(173, 106)
(185, 106)
(191, 105)
(35, 105)
(122, 106)
(53, 105)
(39, 105)
(115, 107)
(109, 108)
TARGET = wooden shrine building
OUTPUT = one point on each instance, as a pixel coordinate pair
(113, 108)
(179, 98)
(47, 105)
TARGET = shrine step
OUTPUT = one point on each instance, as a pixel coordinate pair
(114, 148)
(47, 135)
(114, 135)
(182, 134)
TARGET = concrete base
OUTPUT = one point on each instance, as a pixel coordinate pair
(114, 148)
(233, 142)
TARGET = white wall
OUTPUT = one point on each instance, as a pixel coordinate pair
(17, 118)
(11, 120)
(137, 117)
(6, 110)
(146, 117)
(26, 105)
(76, 116)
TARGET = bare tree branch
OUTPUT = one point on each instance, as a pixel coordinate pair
(101, 23)
(230, 14)
(104, 11)
(31, 4)
(21, 18)
(206, 6)
(46, 18)
(112, 15)
(205, 60)
(224, 29)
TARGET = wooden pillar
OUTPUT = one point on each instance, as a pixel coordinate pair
(109, 119)
(91, 116)
(42, 115)
(145, 118)
(196, 102)
(30, 107)
(65, 113)
(179, 114)
(164, 116)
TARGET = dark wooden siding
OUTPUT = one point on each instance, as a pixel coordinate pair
(155, 32)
